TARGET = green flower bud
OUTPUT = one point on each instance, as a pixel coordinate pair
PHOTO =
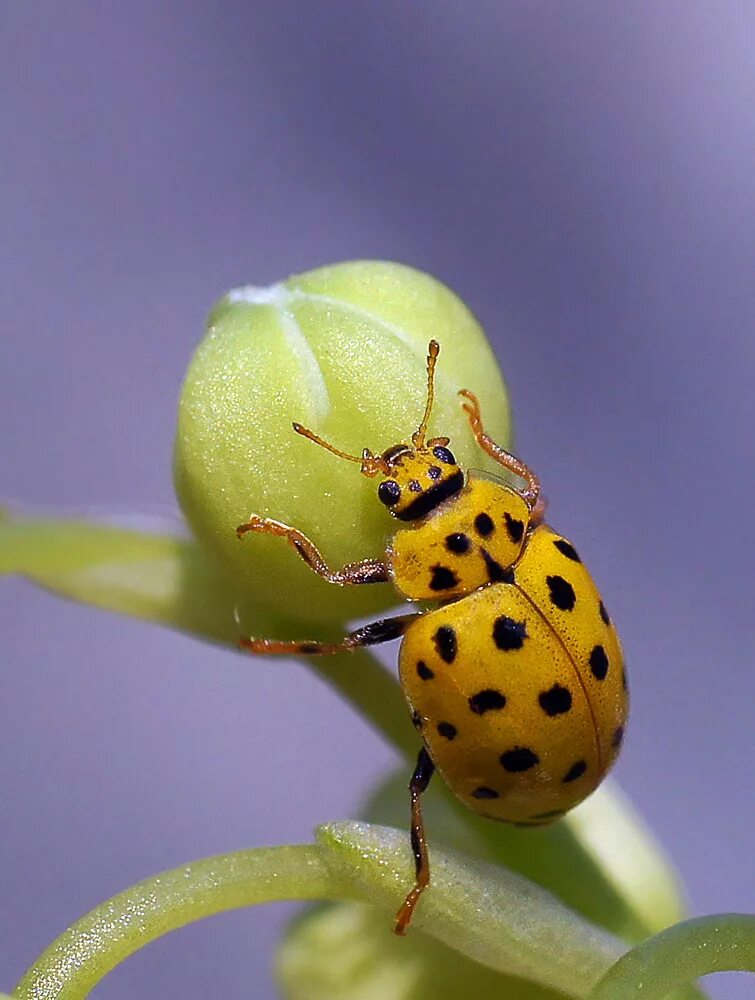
(342, 351)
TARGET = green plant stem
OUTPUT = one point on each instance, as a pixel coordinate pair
(369, 688)
(75, 962)
(680, 955)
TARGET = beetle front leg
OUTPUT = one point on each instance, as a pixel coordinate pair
(531, 494)
(364, 571)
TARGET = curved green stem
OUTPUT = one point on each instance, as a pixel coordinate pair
(680, 955)
(87, 951)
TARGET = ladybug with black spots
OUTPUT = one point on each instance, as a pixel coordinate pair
(515, 681)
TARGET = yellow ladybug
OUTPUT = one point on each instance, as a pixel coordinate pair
(516, 680)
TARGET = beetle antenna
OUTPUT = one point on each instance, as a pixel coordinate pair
(433, 350)
(370, 464)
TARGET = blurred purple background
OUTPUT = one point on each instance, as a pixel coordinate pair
(583, 174)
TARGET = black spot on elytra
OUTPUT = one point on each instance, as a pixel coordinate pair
(562, 592)
(424, 502)
(423, 671)
(604, 614)
(624, 678)
(417, 720)
(389, 492)
(556, 700)
(577, 769)
(445, 643)
(448, 730)
(519, 759)
(308, 647)
(484, 524)
(514, 527)
(483, 792)
(496, 572)
(618, 738)
(444, 455)
(443, 578)
(458, 543)
(415, 485)
(434, 472)
(509, 634)
(599, 663)
(488, 700)
(567, 549)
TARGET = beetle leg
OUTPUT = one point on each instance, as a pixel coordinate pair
(471, 407)
(419, 782)
(368, 635)
(364, 571)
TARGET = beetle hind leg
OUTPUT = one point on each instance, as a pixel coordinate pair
(419, 781)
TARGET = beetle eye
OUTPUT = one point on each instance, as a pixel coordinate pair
(444, 455)
(389, 492)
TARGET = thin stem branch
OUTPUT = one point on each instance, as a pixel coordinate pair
(74, 963)
(678, 956)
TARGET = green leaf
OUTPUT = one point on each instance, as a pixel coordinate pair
(168, 579)
(600, 859)
(347, 951)
(157, 577)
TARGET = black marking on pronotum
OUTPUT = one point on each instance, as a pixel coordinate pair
(443, 578)
(417, 720)
(415, 485)
(458, 543)
(484, 524)
(514, 527)
(496, 572)
(431, 498)
(382, 631)
(308, 648)
(445, 643)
